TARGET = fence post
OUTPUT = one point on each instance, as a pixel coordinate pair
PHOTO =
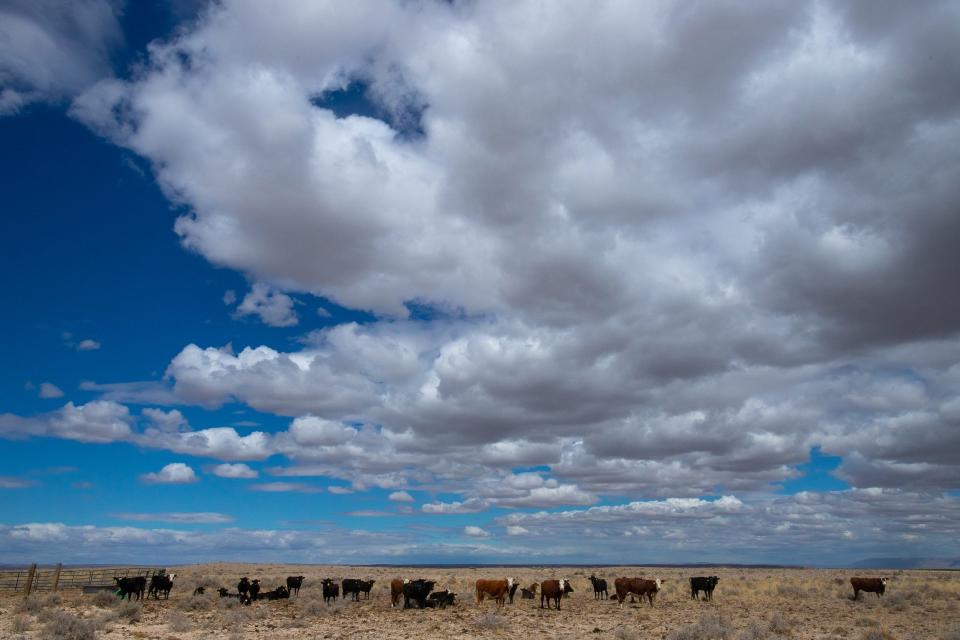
(28, 587)
(56, 577)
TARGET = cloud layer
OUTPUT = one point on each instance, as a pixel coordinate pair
(661, 265)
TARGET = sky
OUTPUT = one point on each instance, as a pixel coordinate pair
(479, 282)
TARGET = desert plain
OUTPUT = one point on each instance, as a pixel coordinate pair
(749, 604)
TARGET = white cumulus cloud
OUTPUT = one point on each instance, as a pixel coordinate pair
(173, 473)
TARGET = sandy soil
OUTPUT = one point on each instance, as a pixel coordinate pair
(749, 604)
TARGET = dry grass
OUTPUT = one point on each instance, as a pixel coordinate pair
(748, 604)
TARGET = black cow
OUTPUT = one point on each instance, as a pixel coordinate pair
(279, 593)
(599, 588)
(512, 591)
(128, 587)
(442, 599)
(254, 589)
(527, 594)
(331, 590)
(224, 593)
(417, 591)
(243, 587)
(199, 591)
(703, 583)
(161, 582)
(294, 583)
(355, 586)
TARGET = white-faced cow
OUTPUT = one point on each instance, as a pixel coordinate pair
(869, 585)
(554, 590)
(496, 589)
(639, 586)
(161, 582)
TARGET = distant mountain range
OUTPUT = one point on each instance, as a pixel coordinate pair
(908, 563)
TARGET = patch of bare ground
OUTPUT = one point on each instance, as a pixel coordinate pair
(748, 604)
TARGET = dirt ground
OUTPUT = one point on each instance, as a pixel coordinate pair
(749, 604)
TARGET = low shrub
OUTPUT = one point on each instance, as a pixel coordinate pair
(129, 611)
(20, 623)
(199, 602)
(779, 623)
(64, 626)
(711, 626)
(179, 622)
(490, 621)
(36, 603)
(104, 599)
(626, 633)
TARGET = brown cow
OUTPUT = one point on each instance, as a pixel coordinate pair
(497, 589)
(554, 589)
(869, 585)
(396, 590)
(639, 586)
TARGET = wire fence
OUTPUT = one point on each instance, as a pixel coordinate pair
(58, 578)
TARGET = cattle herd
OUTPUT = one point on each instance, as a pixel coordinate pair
(422, 594)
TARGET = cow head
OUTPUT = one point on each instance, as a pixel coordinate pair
(406, 581)
(883, 581)
(658, 582)
(172, 576)
(511, 582)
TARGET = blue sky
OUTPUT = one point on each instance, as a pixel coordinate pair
(343, 296)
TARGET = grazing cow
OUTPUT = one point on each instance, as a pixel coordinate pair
(639, 586)
(703, 583)
(870, 585)
(331, 590)
(417, 591)
(199, 591)
(161, 582)
(355, 586)
(128, 587)
(599, 588)
(254, 589)
(441, 599)
(528, 594)
(294, 583)
(396, 590)
(279, 593)
(554, 590)
(243, 587)
(496, 589)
